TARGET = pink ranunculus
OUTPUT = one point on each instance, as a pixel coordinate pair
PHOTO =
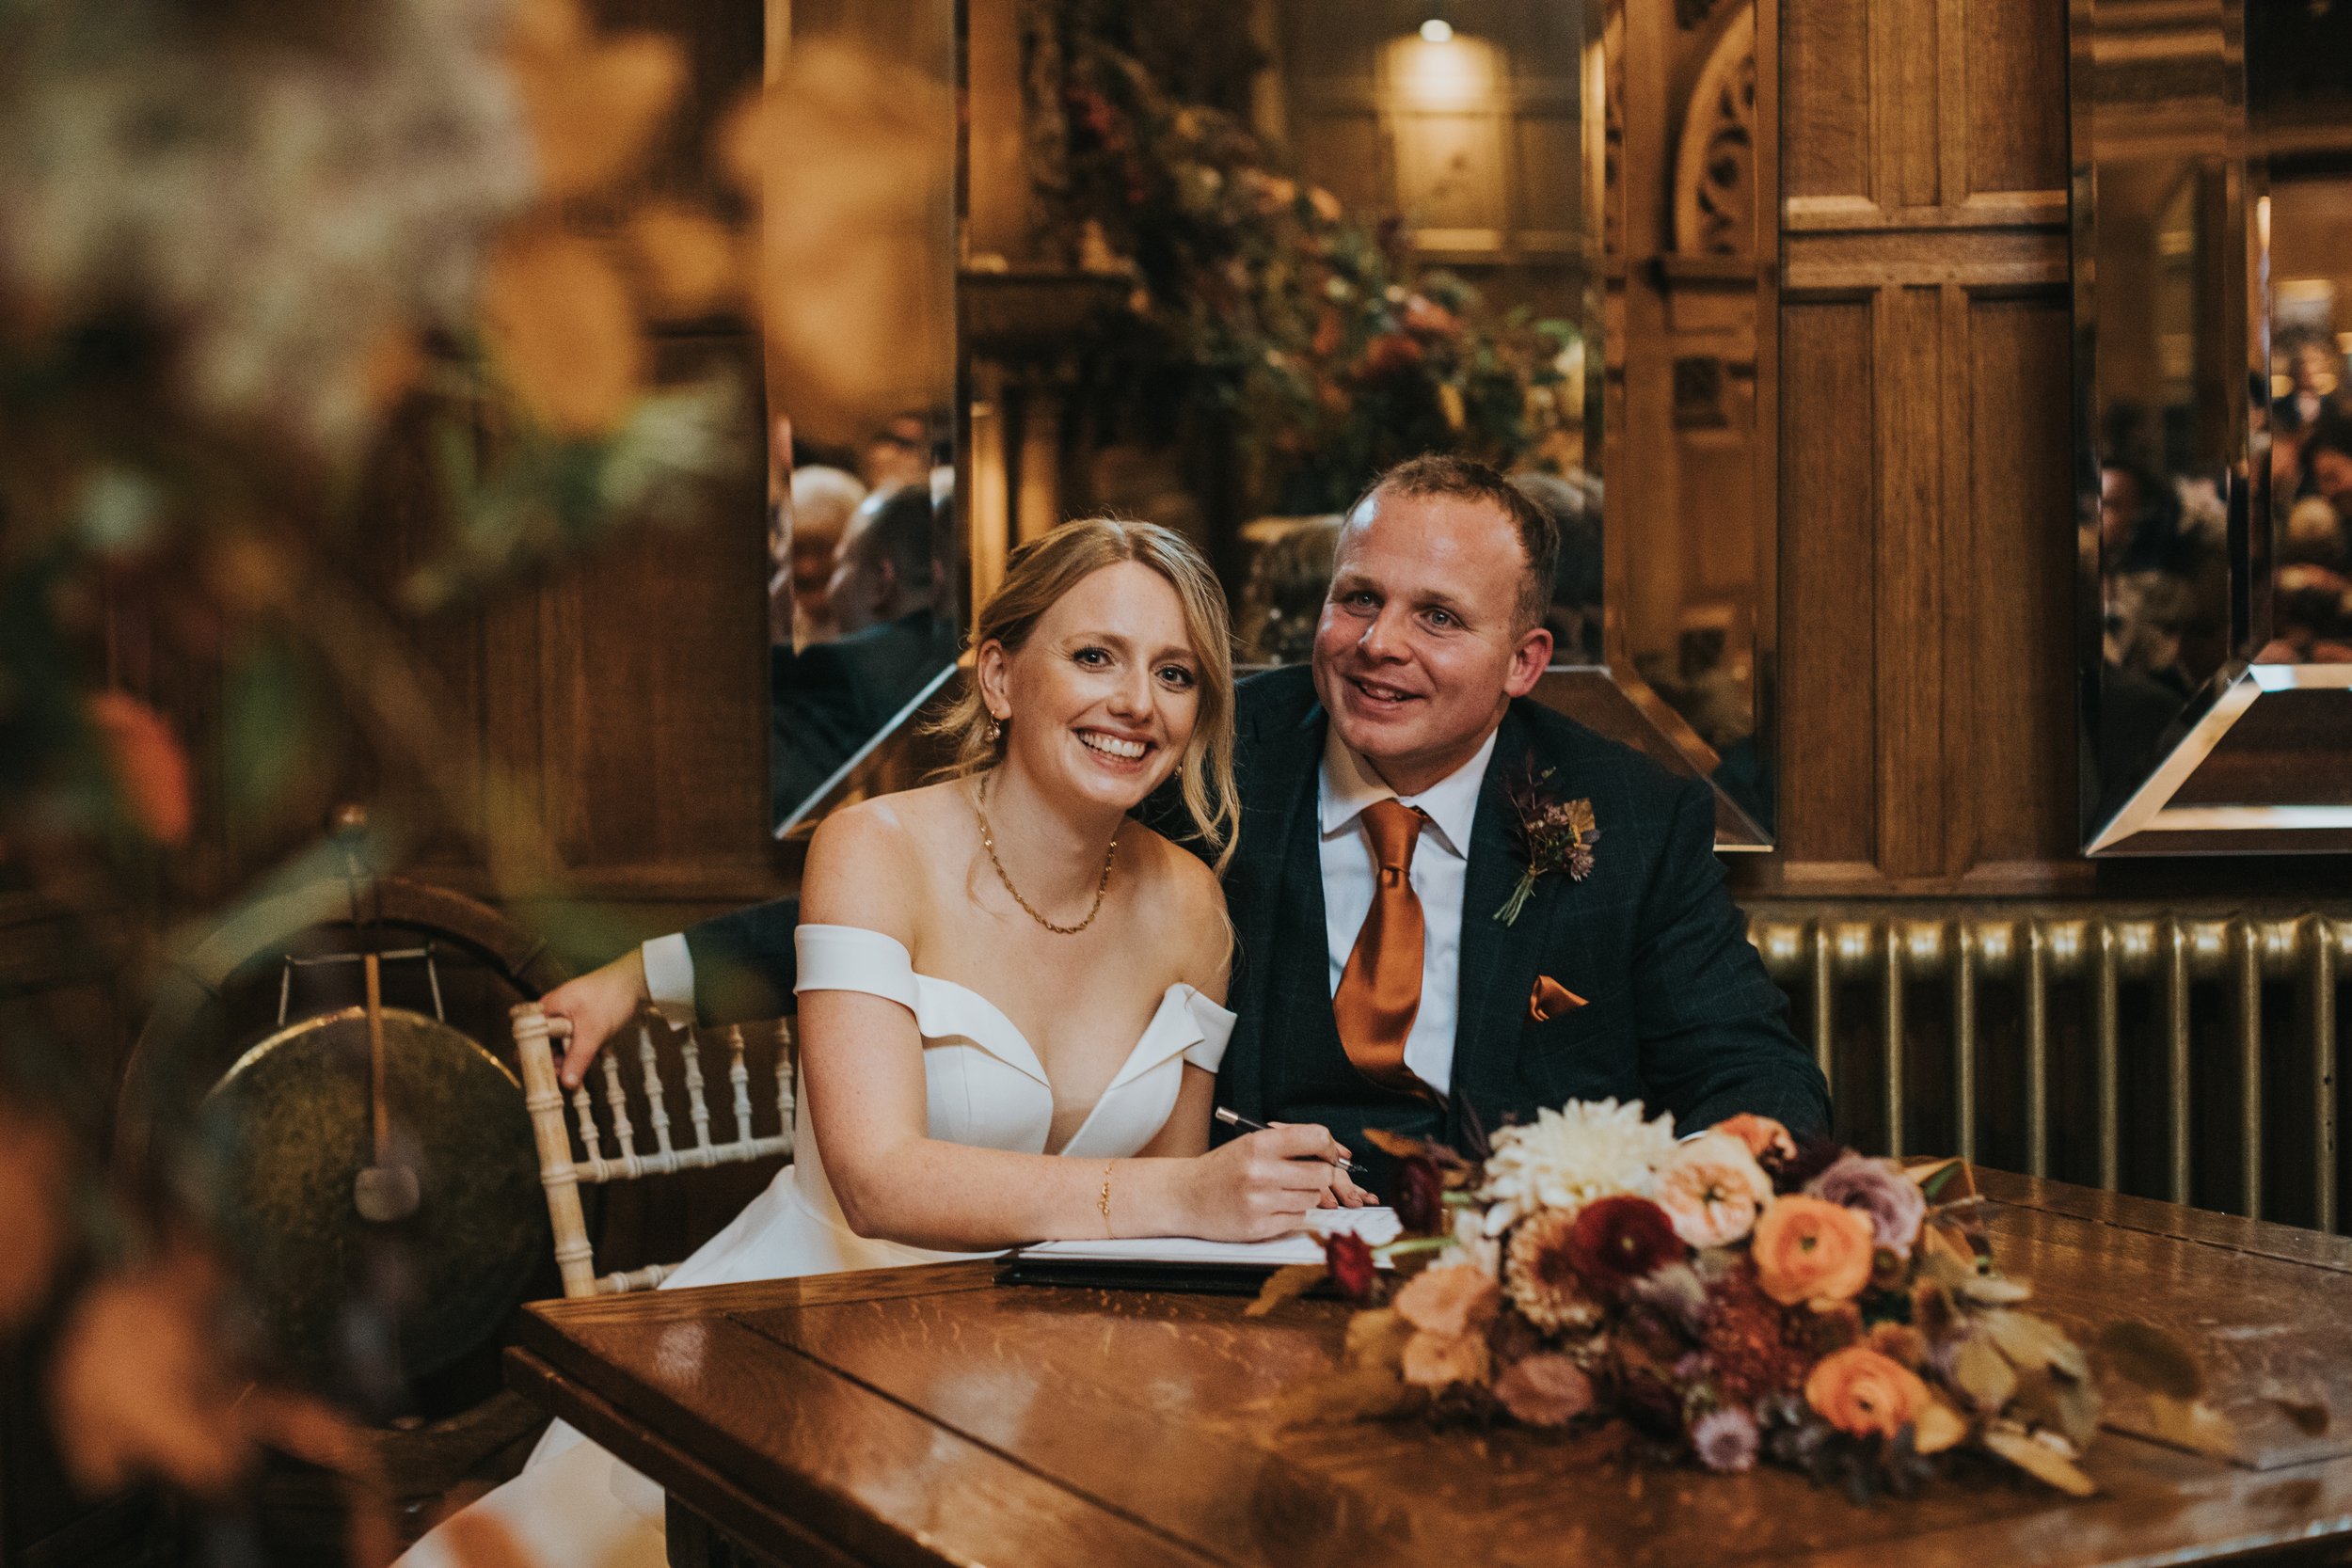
(1713, 1190)
(1544, 1391)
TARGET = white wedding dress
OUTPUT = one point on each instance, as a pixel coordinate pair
(575, 1505)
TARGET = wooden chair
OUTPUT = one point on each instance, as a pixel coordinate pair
(564, 1164)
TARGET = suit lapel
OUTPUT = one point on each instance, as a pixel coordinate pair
(1498, 962)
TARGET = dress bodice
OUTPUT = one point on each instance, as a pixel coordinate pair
(983, 1088)
(984, 1084)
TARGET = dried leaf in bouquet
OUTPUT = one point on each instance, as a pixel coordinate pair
(1350, 1394)
(2060, 1404)
(1377, 1338)
(561, 321)
(2040, 1461)
(1286, 1284)
(1937, 1427)
(2034, 1343)
(1983, 1373)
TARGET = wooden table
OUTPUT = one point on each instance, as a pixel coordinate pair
(929, 1415)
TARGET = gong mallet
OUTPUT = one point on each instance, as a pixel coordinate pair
(384, 1193)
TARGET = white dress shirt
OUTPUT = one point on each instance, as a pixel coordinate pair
(1440, 865)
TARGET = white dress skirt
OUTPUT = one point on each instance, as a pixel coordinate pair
(575, 1505)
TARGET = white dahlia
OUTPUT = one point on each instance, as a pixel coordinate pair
(1569, 1157)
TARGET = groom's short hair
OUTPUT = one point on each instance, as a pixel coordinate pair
(1439, 473)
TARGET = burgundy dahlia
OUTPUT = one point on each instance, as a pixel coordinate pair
(1419, 1196)
(1350, 1262)
(1618, 1240)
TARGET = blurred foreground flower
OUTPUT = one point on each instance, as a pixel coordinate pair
(150, 770)
(292, 210)
(33, 1174)
(139, 1388)
(851, 159)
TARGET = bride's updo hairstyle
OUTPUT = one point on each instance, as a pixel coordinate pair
(1040, 572)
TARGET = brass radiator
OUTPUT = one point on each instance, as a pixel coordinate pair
(2183, 1055)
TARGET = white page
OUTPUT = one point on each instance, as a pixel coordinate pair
(1376, 1226)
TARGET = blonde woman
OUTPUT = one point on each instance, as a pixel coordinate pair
(1011, 994)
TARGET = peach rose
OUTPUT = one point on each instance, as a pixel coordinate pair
(1762, 1134)
(1713, 1190)
(1860, 1391)
(1451, 1299)
(1806, 1249)
(1441, 1360)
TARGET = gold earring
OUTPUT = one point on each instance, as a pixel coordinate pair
(996, 731)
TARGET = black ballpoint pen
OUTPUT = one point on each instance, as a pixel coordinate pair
(1235, 1119)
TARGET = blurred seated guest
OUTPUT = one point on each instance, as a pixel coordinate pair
(2312, 599)
(829, 699)
(897, 453)
(2315, 382)
(2328, 463)
(823, 499)
(2167, 580)
(1283, 598)
(1573, 504)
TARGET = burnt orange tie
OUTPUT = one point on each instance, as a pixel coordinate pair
(1380, 989)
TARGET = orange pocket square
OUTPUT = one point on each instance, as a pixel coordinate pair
(1550, 998)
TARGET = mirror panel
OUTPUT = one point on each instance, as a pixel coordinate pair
(2213, 212)
(1224, 260)
(866, 582)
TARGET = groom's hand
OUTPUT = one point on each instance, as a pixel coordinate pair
(599, 1004)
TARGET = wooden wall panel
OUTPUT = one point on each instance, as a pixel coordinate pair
(2013, 115)
(2012, 606)
(1827, 510)
(1825, 63)
(1926, 603)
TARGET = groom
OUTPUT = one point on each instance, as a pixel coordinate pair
(1381, 979)
(1379, 983)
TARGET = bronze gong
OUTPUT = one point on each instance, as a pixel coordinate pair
(289, 1124)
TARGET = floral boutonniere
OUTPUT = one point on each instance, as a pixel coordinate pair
(1555, 835)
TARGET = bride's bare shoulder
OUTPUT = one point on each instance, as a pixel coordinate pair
(1187, 897)
(868, 859)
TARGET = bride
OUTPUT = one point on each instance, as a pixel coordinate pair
(1011, 995)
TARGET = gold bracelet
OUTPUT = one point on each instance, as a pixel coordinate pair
(1103, 1204)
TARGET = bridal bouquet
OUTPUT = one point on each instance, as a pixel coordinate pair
(1734, 1297)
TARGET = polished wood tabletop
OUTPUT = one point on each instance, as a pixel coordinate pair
(931, 1415)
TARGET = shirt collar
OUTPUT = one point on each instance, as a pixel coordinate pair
(1349, 784)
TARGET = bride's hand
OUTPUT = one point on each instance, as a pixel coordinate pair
(1261, 1185)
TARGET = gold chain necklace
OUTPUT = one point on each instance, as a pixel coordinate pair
(988, 842)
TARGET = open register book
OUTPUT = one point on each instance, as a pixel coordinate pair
(1187, 1263)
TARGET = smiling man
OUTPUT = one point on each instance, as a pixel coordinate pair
(1377, 983)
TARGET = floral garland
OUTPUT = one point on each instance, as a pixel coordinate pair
(1260, 295)
(1732, 1297)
